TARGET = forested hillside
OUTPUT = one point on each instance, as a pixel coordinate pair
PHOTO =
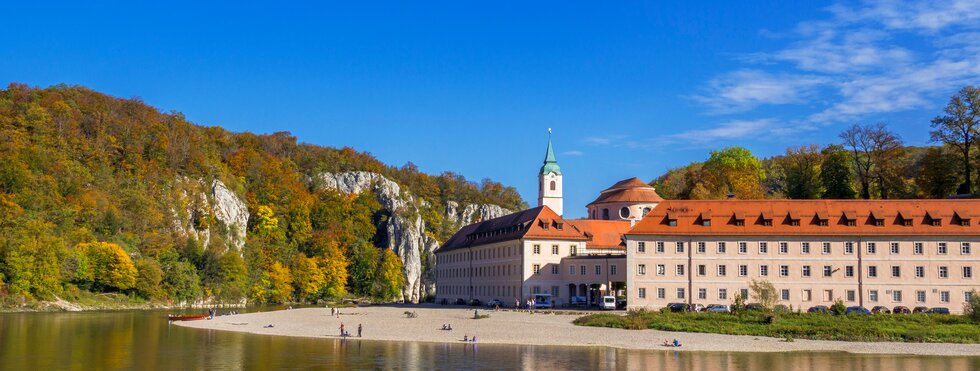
(101, 194)
(870, 161)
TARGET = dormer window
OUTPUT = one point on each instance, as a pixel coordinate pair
(794, 222)
(559, 226)
(965, 222)
(907, 222)
(706, 222)
(937, 222)
(672, 222)
(880, 222)
(740, 222)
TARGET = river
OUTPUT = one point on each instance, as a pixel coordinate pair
(144, 340)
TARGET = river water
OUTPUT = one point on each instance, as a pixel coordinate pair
(144, 340)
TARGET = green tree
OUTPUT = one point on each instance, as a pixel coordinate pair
(233, 278)
(959, 128)
(764, 293)
(802, 167)
(390, 279)
(972, 307)
(181, 281)
(149, 277)
(735, 170)
(836, 174)
(363, 268)
(937, 176)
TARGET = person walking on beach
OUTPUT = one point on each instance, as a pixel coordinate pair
(359, 330)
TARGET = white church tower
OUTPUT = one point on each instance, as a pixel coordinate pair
(549, 181)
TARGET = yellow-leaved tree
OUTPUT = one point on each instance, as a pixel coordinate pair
(275, 284)
(109, 265)
(308, 278)
(334, 264)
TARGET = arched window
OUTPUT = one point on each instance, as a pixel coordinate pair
(605, 214)
(646, 210)
(624, 212)
(552, 185)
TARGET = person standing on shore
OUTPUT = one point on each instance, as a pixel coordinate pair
(341, 330)
(359, 330)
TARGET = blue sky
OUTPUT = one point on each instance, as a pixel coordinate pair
(631, 89)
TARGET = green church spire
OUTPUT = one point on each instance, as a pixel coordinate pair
(550, 164)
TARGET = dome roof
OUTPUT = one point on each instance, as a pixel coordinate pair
(631, 190)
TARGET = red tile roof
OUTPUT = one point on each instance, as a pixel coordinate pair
(836, 213)
(628, 190)
(606, 234)
(539, 222)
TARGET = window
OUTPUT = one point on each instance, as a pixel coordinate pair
(828, 271)
(721, 247)
(920, 296)
(807, 295)
(873, 295)
(805, 248)
(893, 248)
(920, 271)
(743, 247)
(661, 293)
(605, 214)
(784, 271)
(641, 269)
(554, 269)
(783, 248)
(826, 248)
(896, 271)
(828, 295)
(848, 248)
(743, 270)
(537, 249)
(744, 293)
(702, 247)
(872, 248)
(941, 248)
(661, 269)
(806, 271)
(536, 289)
(660, 247)
(872, 271)
(784, 294)
(965, 248)
(612, 269)
(573, 250)
(967, 296)
(641, 247)
(680, 269)
(537, 268)
(552, 186)
(702, 270)
(897, 296)
(581, 269)
(706, 222)
(680, 292)
(763, 270)
(763, 247)
(722, 270)
(723, 294)
(967, 272)
(624, 212)
(851, 295)
(849, 271)
(917, 248)
(943, 272)
(554, 249)
(680, 247)
(944, 296)
(641, 292)
(703, 294)
(571, 269)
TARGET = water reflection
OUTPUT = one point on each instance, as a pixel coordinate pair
(143, 340)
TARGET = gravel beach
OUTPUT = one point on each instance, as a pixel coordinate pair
(389, 323)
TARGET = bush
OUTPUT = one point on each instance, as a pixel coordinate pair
(738, 305)
(838, 308)
(972, 308)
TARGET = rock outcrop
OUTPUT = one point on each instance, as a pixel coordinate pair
(405, 228)
(205, 210)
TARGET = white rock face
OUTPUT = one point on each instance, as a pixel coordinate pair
(406, 236)
(217, 200)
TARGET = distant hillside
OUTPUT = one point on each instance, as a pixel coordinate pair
(101, 194)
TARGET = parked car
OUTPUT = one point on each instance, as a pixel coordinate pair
(920, 310)
(459, 301)
(677, 307)
(494, 303)
(754, 306)
(607, 302)
(475, 303)
(857, 310)
(718, 308)
(577, 301)
(939, 310)
(444, 301)
(901, 309)
(880, 309)
(621, 304)
(819, 309)
(695, 308)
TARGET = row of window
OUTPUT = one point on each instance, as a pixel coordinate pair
(806, 295)
(572, 250)
(721, 247)
(479, 254)
(721, 270)
(582, 269)
(500, 291)
(487, 271)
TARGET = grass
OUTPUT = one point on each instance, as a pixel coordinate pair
(929, 328)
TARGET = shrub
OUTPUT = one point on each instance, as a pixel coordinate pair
(972, 308)
(738, 305)
(838, 308)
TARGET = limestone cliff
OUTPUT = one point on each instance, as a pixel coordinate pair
(406, 231)
(203, 211)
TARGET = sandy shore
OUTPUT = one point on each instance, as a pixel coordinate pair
(389, 323)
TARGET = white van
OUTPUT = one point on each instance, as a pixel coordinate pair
(608, 302)
(542, 301)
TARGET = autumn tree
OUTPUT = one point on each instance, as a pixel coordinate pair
(959, 127)
(149, 276)
(764, 293)
(307, 278)
(389, 279)
(836, 174)
(735, 170)
(110, 265)
(802, 167)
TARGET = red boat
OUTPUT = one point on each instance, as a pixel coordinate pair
(187, 317)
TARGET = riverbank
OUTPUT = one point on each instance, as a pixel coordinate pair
(99, 302)
(389, 323)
